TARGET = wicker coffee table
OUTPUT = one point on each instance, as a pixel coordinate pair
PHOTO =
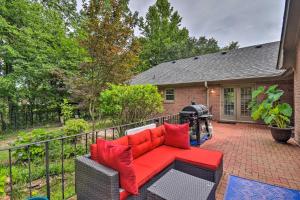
(176, 185)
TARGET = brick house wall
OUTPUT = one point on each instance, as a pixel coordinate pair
(184, 95)
(297, 95)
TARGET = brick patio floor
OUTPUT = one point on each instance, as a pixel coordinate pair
(250, 152)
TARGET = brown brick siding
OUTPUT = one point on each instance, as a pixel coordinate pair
(214, 101)
(197, 93)
(184, 96)
(297, 95)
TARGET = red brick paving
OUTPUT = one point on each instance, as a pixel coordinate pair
(250, 152)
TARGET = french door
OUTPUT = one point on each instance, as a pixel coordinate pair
(234, 103)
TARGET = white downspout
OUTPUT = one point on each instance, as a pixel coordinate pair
(207, 94)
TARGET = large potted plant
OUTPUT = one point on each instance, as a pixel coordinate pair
(265, 105)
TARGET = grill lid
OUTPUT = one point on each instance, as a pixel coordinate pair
(199, 109)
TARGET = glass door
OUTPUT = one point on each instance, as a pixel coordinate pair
(243, 100)
(234, 103)
(228, 103)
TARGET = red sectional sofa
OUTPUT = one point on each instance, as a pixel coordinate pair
(151, 160)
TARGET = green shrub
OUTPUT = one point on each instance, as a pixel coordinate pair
(36, 150)
(130, 103)
(2, 185)
(66, 110)
(75, 126)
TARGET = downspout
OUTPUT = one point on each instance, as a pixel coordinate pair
(207, 94)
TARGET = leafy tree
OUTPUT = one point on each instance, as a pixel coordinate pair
(162, 36)
(112, 48)
(37, 52)
(163, 39)
(66, 8)
(66, 110)
(125, 104)
(232, 45)
(200, 46)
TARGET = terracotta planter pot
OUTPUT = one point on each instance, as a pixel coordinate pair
(281, 135)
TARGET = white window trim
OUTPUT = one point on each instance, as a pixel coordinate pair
(165, 95)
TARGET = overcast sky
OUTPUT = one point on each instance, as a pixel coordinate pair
(249, 22)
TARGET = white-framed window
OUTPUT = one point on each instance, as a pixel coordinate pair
(169, 94)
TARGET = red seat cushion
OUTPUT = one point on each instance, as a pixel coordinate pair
(140, 143)
(118, 157)
(143, 173)
(201, 157)
(121, 141)
(157, 136)
(177, 135)
(158, 159)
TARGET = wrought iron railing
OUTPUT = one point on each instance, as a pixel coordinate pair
(56, 174)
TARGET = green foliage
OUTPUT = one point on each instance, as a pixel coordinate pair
(265, 105)
(75, 126)
(2, 185)
(112, 47)
(38, 51)
(231, 46)
(37, 150)
(164, 39)
(66, 110)
(124, 104)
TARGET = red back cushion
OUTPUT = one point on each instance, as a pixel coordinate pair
(121, 141)
(93, 150)
(118, 157)
(177, 135)
(158, 136)
(140, 143)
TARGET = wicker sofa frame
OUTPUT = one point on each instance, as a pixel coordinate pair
(94, 181)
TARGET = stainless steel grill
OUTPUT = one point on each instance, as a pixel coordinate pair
(199, 119)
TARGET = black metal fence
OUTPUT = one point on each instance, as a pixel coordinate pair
(52, 175)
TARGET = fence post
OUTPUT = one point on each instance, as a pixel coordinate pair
(62, 170)
(29, 169)
(10, 174)
(47, 169)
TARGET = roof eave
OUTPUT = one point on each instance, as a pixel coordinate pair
(258, 78)
(289, 35)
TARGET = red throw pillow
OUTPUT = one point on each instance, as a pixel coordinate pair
(140, 143)
(94, 153)
(177, 135)
(121, 141)
(118, 157)
(158, 136)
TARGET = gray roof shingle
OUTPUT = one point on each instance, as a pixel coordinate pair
(243, 63)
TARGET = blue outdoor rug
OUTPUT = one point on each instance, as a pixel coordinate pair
(242, 189)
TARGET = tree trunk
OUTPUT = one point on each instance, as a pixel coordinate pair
(31, 114)
(10, 111)
(92, 114)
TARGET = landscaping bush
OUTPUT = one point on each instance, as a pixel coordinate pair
(2, 185)
(66, 110)
(130, 103)
(37, 150)
(75, 126)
